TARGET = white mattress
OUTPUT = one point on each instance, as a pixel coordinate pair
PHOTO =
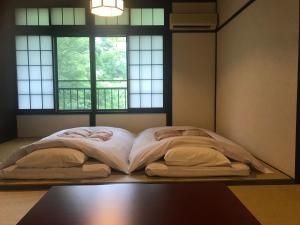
(160, 169)
(90, 169)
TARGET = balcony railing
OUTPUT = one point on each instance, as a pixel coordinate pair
(80, 98)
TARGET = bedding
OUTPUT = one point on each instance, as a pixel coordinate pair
(89, 169)
(192, 156)
(146, 149)
(160, 169)
(112, 150)
(53, 158)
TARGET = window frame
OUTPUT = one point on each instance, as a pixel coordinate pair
(92, 31)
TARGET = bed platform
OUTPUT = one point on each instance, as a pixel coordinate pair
(137, 177)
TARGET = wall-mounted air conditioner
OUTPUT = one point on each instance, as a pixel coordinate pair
(179, 21)
(193, 16)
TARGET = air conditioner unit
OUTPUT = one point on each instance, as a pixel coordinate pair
(189, 16)
(193, 21)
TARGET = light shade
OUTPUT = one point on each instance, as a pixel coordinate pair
(107, 7)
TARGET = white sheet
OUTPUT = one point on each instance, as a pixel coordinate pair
(113, 152)
(162, 170)
(146, 149)
(87, 170)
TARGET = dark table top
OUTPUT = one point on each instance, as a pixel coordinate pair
(140, 204)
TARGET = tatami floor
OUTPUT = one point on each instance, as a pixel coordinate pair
(270, 204)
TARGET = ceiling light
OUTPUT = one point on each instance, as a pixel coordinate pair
(107, 7)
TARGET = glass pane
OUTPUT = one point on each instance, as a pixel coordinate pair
(21, 42)
(79, 16)
(43, 17)
(46, 43)
(68, 16)
(56, 16)
(47, 87)
(20, 16)
(146, 101)
(47, 72)
(145, 42)
(145, 86)
(134, 86)
(32, 17)
(157, 42)
(22, 72)
(22, 58)
(157, 57)
(135, 101)
(33, 43)
(157, 72)
(73, 58)
(24, 102)
(158, 17)
(157, 86)
(145, 72)
(136, 17)
(35, 87)
(46, 57)
(100, 20)
(36, 102)
(112, 20)
(23, 87)
(134, 42)
(157, 101)
(147, 17)
(48, 102)
(134, 57)
(134, 72)
(124, 18)
(34, 58)
(35, 72)
(111, 70)
(145, 57)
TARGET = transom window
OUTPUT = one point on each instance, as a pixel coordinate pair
(93, 70)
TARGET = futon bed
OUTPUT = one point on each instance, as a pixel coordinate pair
(85, 152)
(190, 152)
(91, 152)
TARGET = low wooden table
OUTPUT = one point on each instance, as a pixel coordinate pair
(140, 204)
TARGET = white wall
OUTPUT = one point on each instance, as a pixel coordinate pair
(226, 8)
(43, 125)
(132, 122)
(257, 80)
(194, 79)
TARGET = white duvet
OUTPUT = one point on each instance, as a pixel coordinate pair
(113, 152)
(146, 149)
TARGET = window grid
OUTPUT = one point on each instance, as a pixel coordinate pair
(118, 20)
(146, 90)
(32, 16)
(34, 90)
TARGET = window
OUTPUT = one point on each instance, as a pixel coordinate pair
(111, 73)
(68, 16)
(34, 72)
(90, 70)
(146, 71)
(74, 79)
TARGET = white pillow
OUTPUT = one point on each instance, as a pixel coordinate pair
(191, 156)
(52, 158)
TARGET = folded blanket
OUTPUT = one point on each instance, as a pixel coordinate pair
(100, 135)
(114, 152)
